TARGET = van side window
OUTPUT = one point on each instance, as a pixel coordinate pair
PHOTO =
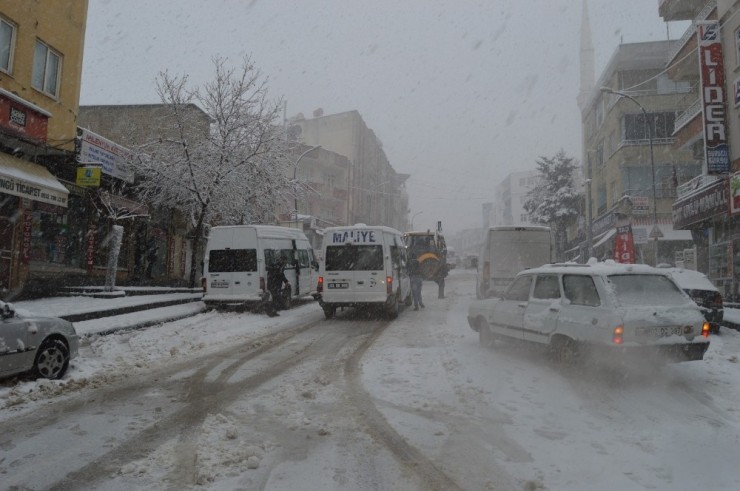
(581, 290)
(396, 256)
(546, 287)
(272, 255)
(303, 258)
(232, 260)
(519, 289)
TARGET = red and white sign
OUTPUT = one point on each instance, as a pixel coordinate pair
(714, 97)
(27, 233)
(624, 246)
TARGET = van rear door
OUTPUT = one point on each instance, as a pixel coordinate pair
(357, 269)
(232, 262)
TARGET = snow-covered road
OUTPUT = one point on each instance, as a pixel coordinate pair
(241, 401)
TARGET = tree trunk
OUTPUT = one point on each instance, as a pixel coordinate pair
(114, 249)
(196, 241)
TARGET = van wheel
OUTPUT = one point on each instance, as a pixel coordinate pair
(485, 337)
(565, 352)
(329, 311)
(393, 309)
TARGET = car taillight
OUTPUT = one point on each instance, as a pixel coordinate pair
(389, 285)
(320, 284)
(705, 329)
(618, 333)
(262, 283)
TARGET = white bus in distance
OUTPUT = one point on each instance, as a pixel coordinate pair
(363, 266)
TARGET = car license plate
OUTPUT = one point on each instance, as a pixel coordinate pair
(660, 332)
(338, 285)
(219, 284)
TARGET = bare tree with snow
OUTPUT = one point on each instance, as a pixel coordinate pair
(554, 201)
(229, 175)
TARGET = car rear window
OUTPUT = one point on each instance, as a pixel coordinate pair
(646, 289)
(232, 261)
(354, 258)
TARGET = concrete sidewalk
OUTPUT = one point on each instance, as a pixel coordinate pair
(123, 310)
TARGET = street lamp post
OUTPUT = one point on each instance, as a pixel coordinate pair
(414, 216)
(655, 232)
(295, 170)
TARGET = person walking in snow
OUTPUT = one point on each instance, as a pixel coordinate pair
(416, 282)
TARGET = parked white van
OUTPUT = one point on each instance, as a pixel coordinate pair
(236, 260)
(363, 266)
(508, 250)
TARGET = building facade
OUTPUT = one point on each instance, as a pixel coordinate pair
(511, 194)
(42, 212)
(707, 205)
(630, 163)
(377, 193)
(157, 245)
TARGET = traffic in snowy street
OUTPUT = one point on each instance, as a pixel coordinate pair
(229, 400)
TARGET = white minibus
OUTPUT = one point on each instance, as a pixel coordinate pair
(236, 261)
(363, 266)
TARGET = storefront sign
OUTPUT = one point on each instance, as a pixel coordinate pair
(711, 67)
(27, 232)
(88, 176)
(21, 117)
(735, 193)
(624, 247)
(29, 187)
(90, 248)
(114, 159)
(640, 205)
(702, 205)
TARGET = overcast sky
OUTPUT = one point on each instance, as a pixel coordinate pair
(460, 92)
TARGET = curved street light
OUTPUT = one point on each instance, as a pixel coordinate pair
(656, 231)
(295, 169)
(414, 216)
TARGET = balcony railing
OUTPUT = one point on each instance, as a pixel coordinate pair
(691, 31)
(688, 115)
(695, 184)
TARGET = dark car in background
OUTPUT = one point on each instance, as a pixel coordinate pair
(703, 292)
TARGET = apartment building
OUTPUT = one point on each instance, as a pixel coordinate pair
(377, 193)
(629, 158)
(510, 196)
(42, 229)
(707, 58)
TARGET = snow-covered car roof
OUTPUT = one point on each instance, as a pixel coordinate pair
(689, 279)
(607, 267)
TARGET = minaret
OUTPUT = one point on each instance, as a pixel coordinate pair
(587, 60)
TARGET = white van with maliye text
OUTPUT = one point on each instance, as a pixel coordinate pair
(364, 266)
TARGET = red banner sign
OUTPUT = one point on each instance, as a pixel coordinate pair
(714, 98)
(90, 248)
(624, 245)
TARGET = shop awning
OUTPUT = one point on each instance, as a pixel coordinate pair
(607, 235)
(31, 181)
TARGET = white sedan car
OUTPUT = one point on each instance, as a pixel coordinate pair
(604, 312)
(42, 345)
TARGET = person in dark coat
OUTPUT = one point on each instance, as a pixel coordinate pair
(275, 280)
(440, 279)
(416, 281)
